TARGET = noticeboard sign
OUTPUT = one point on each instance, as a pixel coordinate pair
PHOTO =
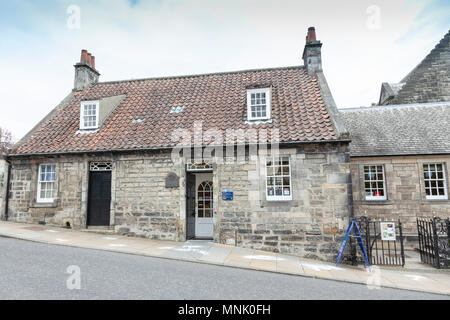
(387, 231)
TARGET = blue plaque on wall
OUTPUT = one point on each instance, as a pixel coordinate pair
(227, 195)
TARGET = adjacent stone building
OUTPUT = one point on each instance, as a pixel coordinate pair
(400, 157)
(400, 150)
(428, 82)
(256, 157)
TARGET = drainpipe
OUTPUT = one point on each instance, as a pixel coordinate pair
(8, 179)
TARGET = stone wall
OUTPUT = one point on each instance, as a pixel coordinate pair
(140, 205)
(143, 205)
(406, 198)
(68, 206)
(3, 182)
(310, 225)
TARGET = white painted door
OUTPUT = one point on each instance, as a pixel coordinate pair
(204, 225)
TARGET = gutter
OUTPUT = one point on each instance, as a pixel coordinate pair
(400, 155)
(166, 148)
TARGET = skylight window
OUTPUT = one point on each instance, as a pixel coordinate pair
(177, 109)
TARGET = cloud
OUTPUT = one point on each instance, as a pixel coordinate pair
(146, 38)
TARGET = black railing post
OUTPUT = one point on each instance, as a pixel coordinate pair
(420, 239)
(436, 242)
(402, 248)
(447, 222)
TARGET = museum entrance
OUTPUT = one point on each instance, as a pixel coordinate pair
(199, 204)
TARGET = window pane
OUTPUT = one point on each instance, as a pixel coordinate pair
(278, 191)
(434, 178)
(374, 183)
(278, 178)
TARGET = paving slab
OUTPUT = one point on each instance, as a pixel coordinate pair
(263, 260)
(216, 254)
(289, 264)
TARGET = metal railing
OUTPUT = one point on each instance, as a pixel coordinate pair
(382, 249)
(434, 241)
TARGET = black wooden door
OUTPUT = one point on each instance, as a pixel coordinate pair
(99, 202)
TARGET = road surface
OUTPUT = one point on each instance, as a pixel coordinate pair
(31, 270)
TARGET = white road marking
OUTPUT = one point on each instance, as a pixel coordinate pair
(191, 248)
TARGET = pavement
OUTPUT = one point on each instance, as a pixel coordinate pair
(420, 278)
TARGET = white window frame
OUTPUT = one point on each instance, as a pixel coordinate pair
(277, 197)
(375, 198)
(97, 107)
(268, 92)
(38, 198)
(437, 197)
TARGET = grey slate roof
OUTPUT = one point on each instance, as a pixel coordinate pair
(399, 129)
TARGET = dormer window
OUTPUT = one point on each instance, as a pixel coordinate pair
(89, 115)
(259, 104)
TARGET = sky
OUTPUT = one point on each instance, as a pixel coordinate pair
(365, 43)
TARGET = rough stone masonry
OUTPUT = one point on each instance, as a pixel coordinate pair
(308, 226)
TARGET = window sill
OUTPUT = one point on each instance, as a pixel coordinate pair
(435, 200)
(53, 204)
(86, 131)
(258, 121)
(377, 202)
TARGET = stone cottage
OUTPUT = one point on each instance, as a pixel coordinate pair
(256, 157)
(400, 150)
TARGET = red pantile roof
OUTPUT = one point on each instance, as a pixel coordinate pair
(220, 100)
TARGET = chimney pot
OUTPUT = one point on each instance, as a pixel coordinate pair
(83, 58)
(93, 62)
(311, 34)
(89, 59)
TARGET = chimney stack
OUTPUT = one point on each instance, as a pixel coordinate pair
(85, 72)
(312, 54)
